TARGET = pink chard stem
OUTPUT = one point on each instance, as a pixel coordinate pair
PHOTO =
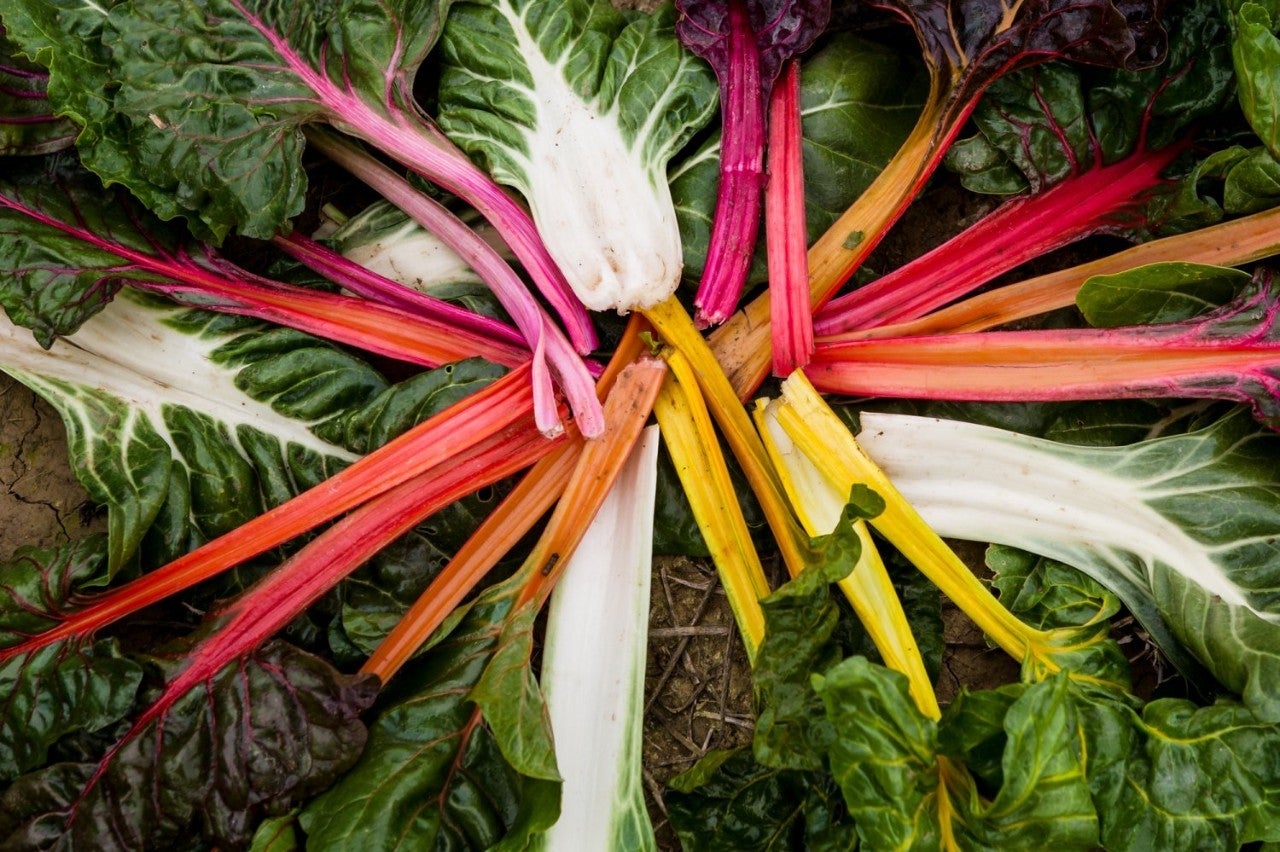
(737, 215)
(1232, 353)
(552, 352)
(370, 285)
(785, 231)
(1019, 230)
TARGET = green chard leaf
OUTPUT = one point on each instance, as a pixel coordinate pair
(433, 770)
(129, 73)
(218, 419)
(579, 107)
(1182, 528)
(1159, 292)
(1255, 50)
(1178, 776)
(902, 793)
(729, 803)
(1043, 125)
(263, 734)
(68, 686)
(28, 125)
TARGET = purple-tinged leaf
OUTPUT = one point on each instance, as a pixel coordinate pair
(746, 42)
(28, 125)
(258, 737)
(71, 686)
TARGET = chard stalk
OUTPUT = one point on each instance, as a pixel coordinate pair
(742, 344)
(737, 215)
(406, 136)
(212, 282)
(495, 410)
(867, 586)
(370, 285)
(593, 667)
(818, 434)
(1231, 353)
(550, 347)
(785, 234)
(695, 451)
(672, 322)
(1232, 243)
(1019, 230)
(518, 512)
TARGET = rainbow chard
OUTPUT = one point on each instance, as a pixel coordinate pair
(255, 67)
(746, 42)
(93, 241)
(967, 46)
(1233, 352)
(1085, 156)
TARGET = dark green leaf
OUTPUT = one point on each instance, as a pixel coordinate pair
(28, 125)
(65, 687)
(260, 736)
(1046, 593)
(432, 773)
(886, 760)
(1256, 53)
(730, 803)
(1177, 776)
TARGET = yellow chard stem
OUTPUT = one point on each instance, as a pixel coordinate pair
(743, 345)
(691, 440)
(807, 420)
(671, 321)
(867, 587)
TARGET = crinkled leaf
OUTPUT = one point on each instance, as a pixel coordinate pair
(57, 277)
(580, 110)
(859, 100)
(1252, 183)
(258, 72)
(1046, 593)
(65, 36)
(783, 28)
(1045, 124)
(729, 803)
(1182, 528)
(800, 620)
(432, 773)
(1178, 776)
(68, 686)
(261, 735)
(893, 780)
(970, 43)
(1160, 292)
(28, 125)
(217, 419)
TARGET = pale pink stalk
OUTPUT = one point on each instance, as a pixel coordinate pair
(549, 345)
